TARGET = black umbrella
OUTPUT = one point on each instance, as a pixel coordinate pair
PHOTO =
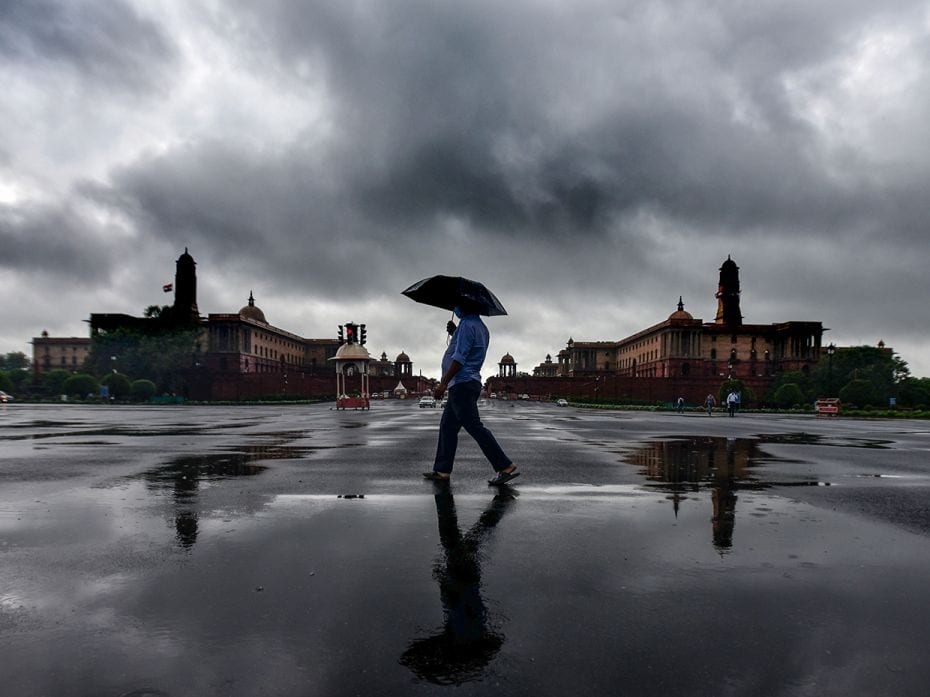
(448, 292)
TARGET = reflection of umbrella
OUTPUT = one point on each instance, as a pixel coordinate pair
(449, 291)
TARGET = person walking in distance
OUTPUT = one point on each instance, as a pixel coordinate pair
(461, 376)
(732, 403)
(709, 404)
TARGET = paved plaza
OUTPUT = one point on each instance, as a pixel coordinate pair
(295, 551)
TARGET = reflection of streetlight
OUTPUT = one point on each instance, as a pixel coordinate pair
(831, 349)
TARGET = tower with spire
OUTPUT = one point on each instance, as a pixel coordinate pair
(728, 295)
(185, 289)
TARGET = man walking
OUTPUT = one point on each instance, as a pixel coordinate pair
(461, 374)
(732, 402)
(709, 404)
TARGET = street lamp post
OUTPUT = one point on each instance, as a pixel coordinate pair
(831, 349)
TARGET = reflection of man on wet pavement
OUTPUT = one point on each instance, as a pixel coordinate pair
(467, 643)
(461, 373)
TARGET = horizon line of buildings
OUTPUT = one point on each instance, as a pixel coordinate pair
(680, 346)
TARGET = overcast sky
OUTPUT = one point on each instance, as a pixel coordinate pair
(590, 161)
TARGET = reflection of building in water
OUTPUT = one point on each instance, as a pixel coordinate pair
(691, 464)
(185, 476)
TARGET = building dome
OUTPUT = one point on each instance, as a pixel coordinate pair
(680, 313)
(349, 352)
(507, 359)
(402, 358)
(252, 312)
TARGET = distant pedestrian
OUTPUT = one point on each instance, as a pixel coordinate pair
(732, 402)
(681, 405)
(709, 404)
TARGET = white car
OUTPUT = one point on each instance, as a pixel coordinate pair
(4, 397)
(561, 402)
(427, 401)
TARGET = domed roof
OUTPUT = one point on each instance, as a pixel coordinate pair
(507, 359)
(348, 352)
(250, 311)
(402, 358)
(680, 313)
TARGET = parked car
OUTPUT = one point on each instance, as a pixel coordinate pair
(524, 396)
(493, 395)
(4, 397)
(561, 402)
(427, 401)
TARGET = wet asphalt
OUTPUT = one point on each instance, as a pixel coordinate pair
(296, 551)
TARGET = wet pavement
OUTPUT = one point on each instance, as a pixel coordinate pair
(294, 550)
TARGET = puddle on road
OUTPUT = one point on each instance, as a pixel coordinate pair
(184, 477)
(686, 466)
(814, 439)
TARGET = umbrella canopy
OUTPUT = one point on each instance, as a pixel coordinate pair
(448, 292)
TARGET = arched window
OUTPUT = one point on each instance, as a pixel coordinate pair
(685, 369)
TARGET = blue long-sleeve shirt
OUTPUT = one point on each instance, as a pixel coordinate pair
(468, 347)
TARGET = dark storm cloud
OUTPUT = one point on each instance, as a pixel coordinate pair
(533, 119)
(109, 43)
(585, 157)
(56, 241)
(538, 122)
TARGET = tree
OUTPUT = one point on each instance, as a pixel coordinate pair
(161, 356)
(118, 385)
(16, 360)
(803, 382)
(20, 379)
(142, 390)
(914, 392)
(54, 380)
(729, 385)
(789, 395)
(6, 385)
(81, 385)
(862, 393)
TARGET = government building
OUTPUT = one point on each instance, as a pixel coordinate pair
(238, 355)
(683, 350)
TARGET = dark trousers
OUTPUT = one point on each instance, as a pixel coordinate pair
(462, 412)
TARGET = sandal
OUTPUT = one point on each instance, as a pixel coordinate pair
(503, 477)
(435, 477)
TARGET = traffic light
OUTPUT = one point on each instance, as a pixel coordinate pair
(351, 333)
(342, 338)
(362, 334)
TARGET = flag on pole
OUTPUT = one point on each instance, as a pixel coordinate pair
(167, 287)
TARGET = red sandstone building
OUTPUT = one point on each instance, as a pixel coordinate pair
(238, 355)
(689, 351)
